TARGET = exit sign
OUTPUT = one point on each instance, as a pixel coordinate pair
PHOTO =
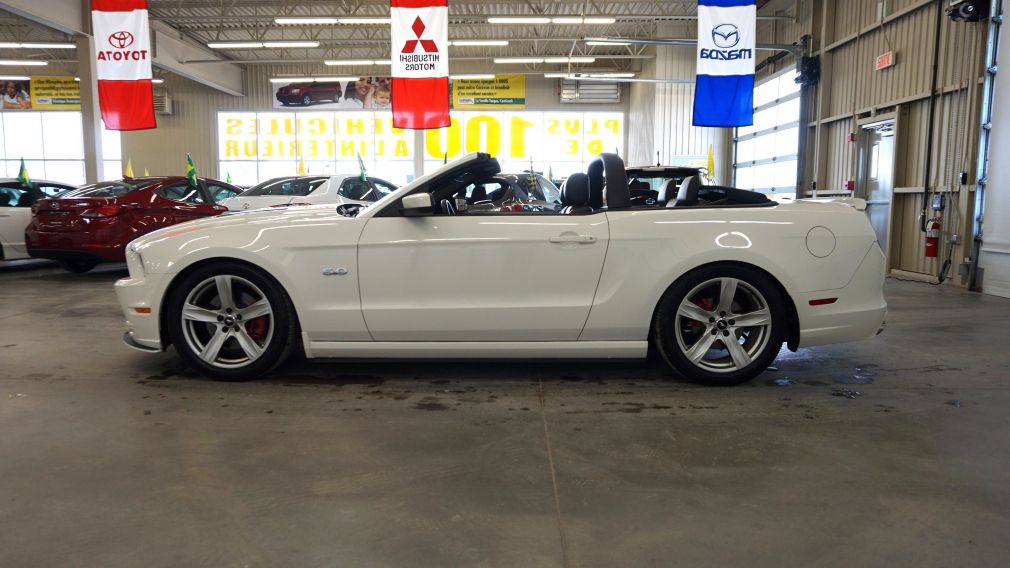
(885, 60)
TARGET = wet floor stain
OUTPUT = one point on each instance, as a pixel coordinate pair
(783, 382)
(846, 393)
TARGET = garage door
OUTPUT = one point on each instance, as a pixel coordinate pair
(765, 154)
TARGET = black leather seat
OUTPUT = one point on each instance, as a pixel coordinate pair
(687, 195)
(478, 194)
(575, 195)
(666, 191)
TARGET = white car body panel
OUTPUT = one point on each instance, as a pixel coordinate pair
(326, 193)
(497, 286)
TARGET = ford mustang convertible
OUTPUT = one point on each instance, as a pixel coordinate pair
(714, 279)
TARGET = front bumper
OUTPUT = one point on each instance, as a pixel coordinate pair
(145, 293)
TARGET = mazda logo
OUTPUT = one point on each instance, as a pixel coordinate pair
(121, 39)
(725, 36)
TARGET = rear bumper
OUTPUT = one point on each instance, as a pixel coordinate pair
(858, 313)
(71, 245)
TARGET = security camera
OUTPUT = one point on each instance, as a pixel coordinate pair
(967, 10)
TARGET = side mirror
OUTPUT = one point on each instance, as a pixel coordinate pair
(416, 204)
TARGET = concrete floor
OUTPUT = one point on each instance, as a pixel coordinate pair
(110, 457)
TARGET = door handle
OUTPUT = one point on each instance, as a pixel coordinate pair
(577, 239)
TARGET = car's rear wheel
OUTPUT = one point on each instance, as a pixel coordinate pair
(231, 321)
(306, 100)
(721, 325)
(78, 266)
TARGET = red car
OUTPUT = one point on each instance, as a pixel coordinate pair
(307, 93)
(93, 224)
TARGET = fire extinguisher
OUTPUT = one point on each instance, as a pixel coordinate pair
(932, 237)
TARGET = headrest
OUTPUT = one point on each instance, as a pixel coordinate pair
(575, 190)
(478, 193)
(666, 190)
(608, 168)
(688, 193)
(639, 184)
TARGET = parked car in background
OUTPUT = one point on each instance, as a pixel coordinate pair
(93, 224)
(311, 190)
(307, 93)
(16, 202)
(524, 191)
(652, 185)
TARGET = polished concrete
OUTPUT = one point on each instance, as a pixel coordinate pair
(110, 457)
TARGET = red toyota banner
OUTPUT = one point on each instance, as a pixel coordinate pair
(123, 52)
(420, 70)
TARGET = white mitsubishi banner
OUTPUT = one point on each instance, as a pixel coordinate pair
(123, 52)
(420, 63)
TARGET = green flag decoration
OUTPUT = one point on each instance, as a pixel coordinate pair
(190, 171)
(361, 165)
(445, 158)
(550, 173)
(227, 177)
(23, 176)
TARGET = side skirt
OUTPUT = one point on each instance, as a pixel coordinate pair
(478, 349)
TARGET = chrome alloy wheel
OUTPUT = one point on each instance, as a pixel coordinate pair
(723, 324)
(227, 321)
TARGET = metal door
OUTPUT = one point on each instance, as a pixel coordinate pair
(876, 175)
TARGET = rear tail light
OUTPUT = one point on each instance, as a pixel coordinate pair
(103, 212)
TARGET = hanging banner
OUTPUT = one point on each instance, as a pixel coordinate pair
(724, 89)
(369, 93)
(420, 63)
(123, 53)
(40, 93)
(501, 92)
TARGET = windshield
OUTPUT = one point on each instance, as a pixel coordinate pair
(285, 186)
(110, 188)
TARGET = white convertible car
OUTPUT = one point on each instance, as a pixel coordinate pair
(716, 279)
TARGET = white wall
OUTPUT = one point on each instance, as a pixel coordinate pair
(995, 257)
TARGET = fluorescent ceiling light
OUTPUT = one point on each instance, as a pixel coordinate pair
(569, 59)
(612, 75)
(349, 62)
(518, 20)
(607, 43)
(382, 62)
(518, 60)
(35, 45)
(365, 21)
(559, 75)
(282, 44)
(473, 76)
(235, 45)
(23, 62)
(157, 81)
(15, 78)
(479, 42)
(305, 21)
(580, 20)
(311, 79)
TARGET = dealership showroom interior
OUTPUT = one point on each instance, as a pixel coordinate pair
(297, 283)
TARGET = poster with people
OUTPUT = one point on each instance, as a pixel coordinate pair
(40, 93)
(368, 93)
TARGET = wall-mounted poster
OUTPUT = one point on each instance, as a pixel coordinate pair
(369, 93)
(41, 93)
(501, 92)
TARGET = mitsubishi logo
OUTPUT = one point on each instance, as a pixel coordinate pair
(426, 44)
(121, 39)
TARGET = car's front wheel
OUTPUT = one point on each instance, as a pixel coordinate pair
(306, 100)
(721, 325)
(231, 321)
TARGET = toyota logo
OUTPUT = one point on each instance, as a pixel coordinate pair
(725, 36)
(121, 39)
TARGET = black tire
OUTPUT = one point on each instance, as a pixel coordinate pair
(759, 344)
(77, 266)
(307, 100)
(276, 347)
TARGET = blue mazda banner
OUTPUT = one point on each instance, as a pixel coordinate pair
(724, 90)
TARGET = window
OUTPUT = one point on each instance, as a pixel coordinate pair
(286, 186)
(382, 186)
(219, 193)
(486, 190)
(15, 196)
(766, 153)
(52, 146)
(551, 192)
(52, 190)
(356, 189)
(181, 192)
(107, 189)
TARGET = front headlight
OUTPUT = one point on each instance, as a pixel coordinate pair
(134, 262)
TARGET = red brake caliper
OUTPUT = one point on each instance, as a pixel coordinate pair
(257, 328)
(707, 304)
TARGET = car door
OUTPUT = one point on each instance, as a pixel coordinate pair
(480, 275)
(15, 215)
